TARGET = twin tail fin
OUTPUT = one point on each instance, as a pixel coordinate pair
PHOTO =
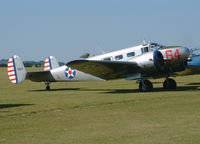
(50, 63)
(16, 70)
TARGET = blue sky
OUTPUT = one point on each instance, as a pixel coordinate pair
(35, 29)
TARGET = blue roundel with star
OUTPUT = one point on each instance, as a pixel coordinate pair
(70, 73)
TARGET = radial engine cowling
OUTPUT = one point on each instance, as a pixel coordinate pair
(175, 58)
(151, 63)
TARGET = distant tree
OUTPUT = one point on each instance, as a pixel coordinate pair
(3, 65)
(28, 64)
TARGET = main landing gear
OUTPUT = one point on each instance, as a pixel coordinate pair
(169, 84)
(146, 85)
(47, 86)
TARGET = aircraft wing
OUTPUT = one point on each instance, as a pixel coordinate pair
(105, 69)
(40, 76)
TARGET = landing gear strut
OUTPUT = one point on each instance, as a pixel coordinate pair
(145, 86)
(47, 86)
(169, 84)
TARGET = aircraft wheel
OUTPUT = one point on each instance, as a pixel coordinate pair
(169, 84)
(48, 88)
(145, 86)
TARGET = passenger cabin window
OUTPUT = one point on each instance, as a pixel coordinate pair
(107, 59)
(118, 57)
(131, 54)
(144, 50)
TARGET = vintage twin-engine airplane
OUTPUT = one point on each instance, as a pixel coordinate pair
(149, 60)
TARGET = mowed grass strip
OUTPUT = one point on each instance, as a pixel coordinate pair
(99, 112)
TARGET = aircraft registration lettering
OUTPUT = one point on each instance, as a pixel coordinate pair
(170, 56)
(177, 54)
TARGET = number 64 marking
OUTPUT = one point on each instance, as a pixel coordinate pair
(170, 55)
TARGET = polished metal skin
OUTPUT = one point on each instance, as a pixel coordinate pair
(151, 63)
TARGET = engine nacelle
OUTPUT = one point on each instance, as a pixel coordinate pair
(175, 67)
(160, 62)
(151, 63)
(175, 58)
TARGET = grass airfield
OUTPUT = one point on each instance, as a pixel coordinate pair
(108, 112)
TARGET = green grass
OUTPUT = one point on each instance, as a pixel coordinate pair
(107, 112)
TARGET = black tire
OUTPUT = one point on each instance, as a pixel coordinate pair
(169, 84)
(48, 88)
(145, 86)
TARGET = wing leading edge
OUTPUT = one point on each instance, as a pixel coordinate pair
(105, 69)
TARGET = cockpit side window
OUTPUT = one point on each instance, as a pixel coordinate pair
(144, 50)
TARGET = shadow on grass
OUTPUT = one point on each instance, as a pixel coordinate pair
(193, 84)
(118, 91)
(13, 105)
(60, 89)
(182, 88)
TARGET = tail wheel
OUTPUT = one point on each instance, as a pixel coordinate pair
(169, 84)
(47, 86)
(145, 86)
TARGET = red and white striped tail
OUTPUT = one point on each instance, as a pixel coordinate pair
(12, 71)
(47, 64)
(16, 70)
(50, 63)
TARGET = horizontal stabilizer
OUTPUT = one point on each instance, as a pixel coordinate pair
(40, 76)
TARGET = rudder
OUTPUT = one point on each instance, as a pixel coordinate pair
(16, 70)
(50, 63)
